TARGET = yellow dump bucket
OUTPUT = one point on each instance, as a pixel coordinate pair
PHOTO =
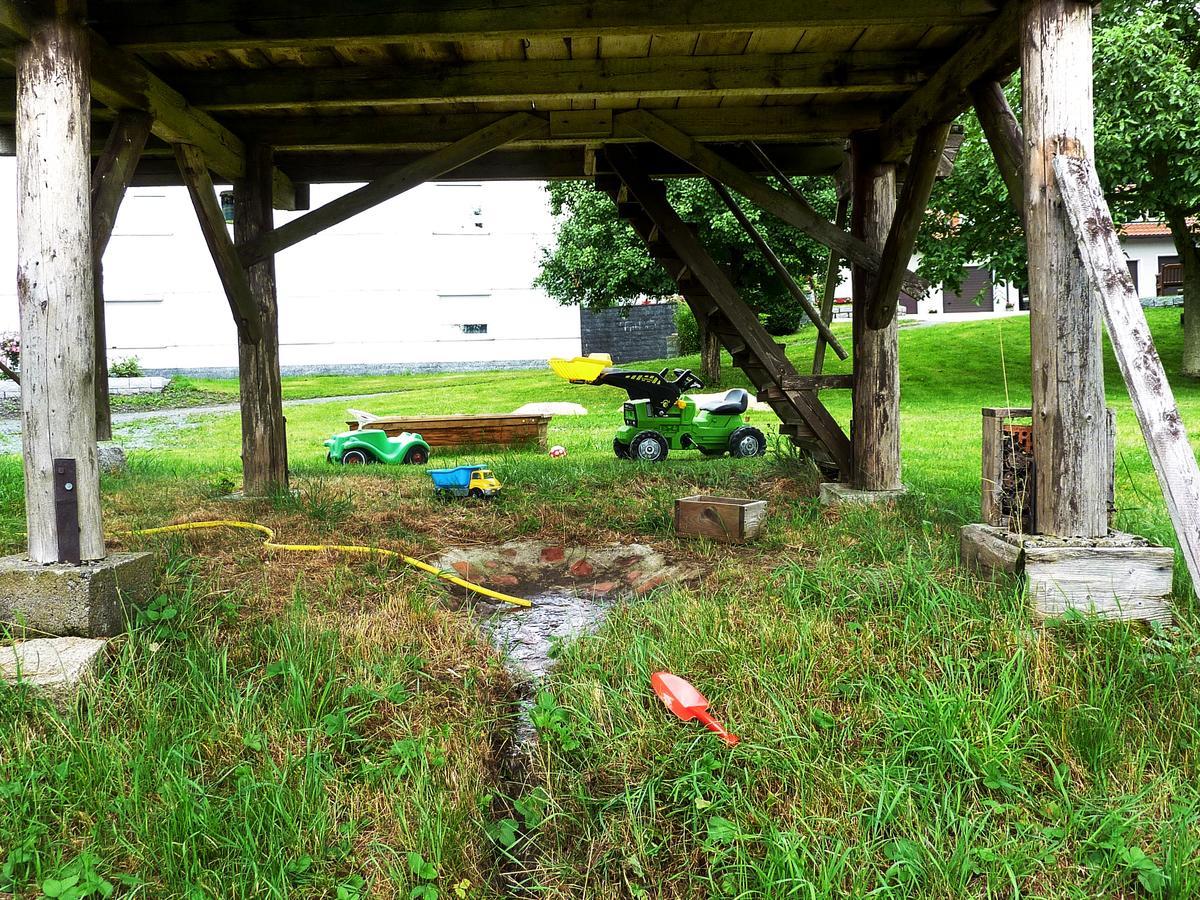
(581, 369)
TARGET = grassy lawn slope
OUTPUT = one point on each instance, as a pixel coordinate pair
(317, 726)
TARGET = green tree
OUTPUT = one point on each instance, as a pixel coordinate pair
(597, 260)
(1147, 96)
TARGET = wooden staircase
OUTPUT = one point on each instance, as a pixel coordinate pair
(715, 302)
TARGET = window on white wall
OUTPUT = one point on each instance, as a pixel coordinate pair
(458, 208)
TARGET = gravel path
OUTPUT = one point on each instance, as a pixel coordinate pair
(158, 422)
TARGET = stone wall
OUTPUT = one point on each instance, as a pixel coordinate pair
(629, 333)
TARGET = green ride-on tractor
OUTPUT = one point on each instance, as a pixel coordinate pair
(372, 445)
(660, 417)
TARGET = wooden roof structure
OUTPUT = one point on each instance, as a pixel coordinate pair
(346, 91)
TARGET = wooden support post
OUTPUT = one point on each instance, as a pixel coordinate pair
(780, 269)
(1004, 136)
(110, 179)
(832, 274)
(902, 236)
(1153, 402)
(216, 234)
(264, 430)
(403, 179)
(875, 423)
(1064, 319)
(54, 287)
(787, 205)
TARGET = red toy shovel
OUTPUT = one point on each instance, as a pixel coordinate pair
(687, 703)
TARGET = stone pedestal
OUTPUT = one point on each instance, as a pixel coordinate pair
(55, 668)
(1120, 576)
(834, 493)
(92, 600)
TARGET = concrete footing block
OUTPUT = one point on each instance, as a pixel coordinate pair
(834, 493)
(1120, 576)
(55, 668)
(95, 599)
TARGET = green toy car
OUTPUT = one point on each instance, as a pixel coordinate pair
(660, 417)
(372, 445)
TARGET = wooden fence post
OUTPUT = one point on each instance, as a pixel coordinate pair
(54, 285)
(875, 426)
(264, 436)
(1068, 379)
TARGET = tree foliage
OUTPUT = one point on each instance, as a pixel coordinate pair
(1147, 99)
(597, 260)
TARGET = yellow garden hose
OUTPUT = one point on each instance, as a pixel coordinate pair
(270, 544)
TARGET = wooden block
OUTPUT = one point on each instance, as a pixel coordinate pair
(581, 123)
(729, 519)
(1113, 582)
(987, 549)
(1120, 576)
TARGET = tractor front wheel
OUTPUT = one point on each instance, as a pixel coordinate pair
(357, 458)
(416, 456)
(649, 446)
(622, 450)
(747, 442)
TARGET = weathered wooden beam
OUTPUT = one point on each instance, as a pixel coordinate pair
(1133, 346)
(113, 173)
(1069, 428)
(110, 178)
(14, 25)
(121, 82)
(1004, 137)
(503, 164)
(652, 197)
(989, 53)
(264, 429)
(546, 81)
(231, 24)
(791, 208)
(875, 421)
(54, 289)
(242, 302)
(902, 236)
(833, 272)
(780, 269)
(399, 181)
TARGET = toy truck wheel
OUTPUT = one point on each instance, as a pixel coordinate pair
(649, 446)
(357, 458)
(622, 450)
(476, 493)
(416, 456)
(747, 442)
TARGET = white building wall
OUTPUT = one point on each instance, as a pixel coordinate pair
(1146, 252)
(391, 287)
(1004, 296)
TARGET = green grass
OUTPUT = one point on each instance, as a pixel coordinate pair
(285, 726)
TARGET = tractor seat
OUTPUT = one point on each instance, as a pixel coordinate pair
(733, 403)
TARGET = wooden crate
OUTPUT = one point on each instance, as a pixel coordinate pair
(500, 430)
(730, 519)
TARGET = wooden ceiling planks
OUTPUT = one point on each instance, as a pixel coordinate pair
(231, 59)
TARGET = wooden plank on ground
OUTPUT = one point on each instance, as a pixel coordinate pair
(1153, 401)
(405, 178)
(791, 209)
(216, 235)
